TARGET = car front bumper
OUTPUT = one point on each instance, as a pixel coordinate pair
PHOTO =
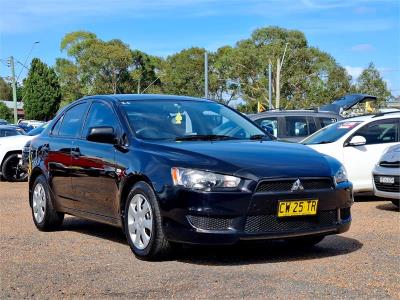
(226, 218)
(386, 191)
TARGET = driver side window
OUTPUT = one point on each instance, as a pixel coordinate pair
(379, 132)
(100, 115)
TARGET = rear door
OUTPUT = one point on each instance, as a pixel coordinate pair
(360, 160)
(58, 159)
(94, 174)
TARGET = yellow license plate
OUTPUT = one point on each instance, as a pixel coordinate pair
(297, 208)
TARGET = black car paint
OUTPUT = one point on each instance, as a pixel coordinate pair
(91, 180)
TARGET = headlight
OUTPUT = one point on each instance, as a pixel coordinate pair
(341, 175)
(203, 181)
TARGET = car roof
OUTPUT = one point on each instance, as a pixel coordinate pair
(134, 97)
(304, 112)
(378, 116)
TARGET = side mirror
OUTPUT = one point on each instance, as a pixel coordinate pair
(104, 135)
(357, 140)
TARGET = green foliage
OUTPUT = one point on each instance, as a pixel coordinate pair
(370, 82)
(183, 73)
(5, 90)
(6, 113)
(309, 76)
(42, 92)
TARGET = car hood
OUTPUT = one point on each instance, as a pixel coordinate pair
(347, 102)
(391, 155)
(14, 141)
(249, 159)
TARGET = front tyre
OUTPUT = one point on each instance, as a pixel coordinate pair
(45, 217)
(142, 223)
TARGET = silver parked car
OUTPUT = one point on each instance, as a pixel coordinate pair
(386, 175)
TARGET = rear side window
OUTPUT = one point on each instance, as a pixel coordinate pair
(326, 121)
(100, 114)
(380, 132)
(72, 121)
(296, 126)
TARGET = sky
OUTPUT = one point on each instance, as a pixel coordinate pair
(354, 32)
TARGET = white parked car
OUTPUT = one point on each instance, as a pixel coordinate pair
(10, 157)
(386, 175)
(358, 143)
(11, 148)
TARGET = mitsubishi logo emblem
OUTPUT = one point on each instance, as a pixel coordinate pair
(297, 186)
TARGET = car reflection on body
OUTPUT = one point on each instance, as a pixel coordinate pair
(172, 170)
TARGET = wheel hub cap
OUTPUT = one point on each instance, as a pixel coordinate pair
(140, 221)
(39, 203)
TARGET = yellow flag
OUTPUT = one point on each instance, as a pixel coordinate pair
(260, 107)
(368, 107)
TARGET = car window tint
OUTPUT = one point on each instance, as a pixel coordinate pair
(296, 126)
(56, 127)
(72, 121)
(379, 132)
(312, 127)
(270, 124)
(327, 121)
(100, 115)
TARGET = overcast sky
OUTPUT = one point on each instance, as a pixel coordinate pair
(354, 32)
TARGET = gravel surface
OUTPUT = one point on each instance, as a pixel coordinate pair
(86, 259)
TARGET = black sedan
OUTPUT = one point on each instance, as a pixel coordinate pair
(171, 170)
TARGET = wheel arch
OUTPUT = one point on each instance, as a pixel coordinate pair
(36, 172)
(129, 182)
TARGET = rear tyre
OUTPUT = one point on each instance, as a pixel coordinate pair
(142, 223)
(45, 217)
(12, 170)
(306, 241)
(396, 202)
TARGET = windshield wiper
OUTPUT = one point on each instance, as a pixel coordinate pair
(322, 142)
(258, 136)
(204, 137)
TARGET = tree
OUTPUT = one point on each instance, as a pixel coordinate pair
(183, 73)
(42, 92)
(71, 86)
(146, 72)
(370, 82)
(309, 77)
(100, 67)
(5, 90)
(6, 113)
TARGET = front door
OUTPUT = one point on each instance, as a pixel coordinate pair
(361, 160)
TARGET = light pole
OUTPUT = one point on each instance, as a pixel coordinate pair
(279, 64)
(14, 81)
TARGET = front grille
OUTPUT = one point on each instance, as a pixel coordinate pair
(390, 164)
(285, 185)
(210, 223)
(395, 188)
(273, 224)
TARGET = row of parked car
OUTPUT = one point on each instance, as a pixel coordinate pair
(172, 170)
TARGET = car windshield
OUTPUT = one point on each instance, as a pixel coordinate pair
(37, 130)
(331, 133)
(188, 120)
